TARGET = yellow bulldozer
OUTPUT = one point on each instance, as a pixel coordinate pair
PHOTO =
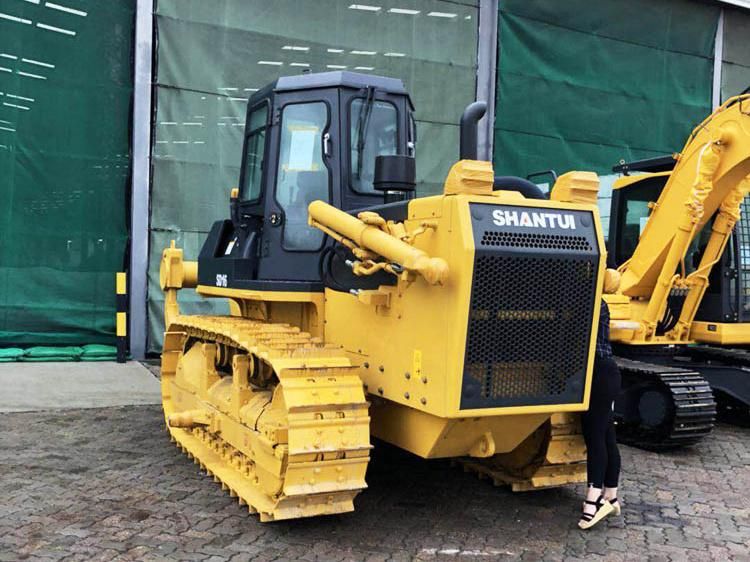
(460, 325)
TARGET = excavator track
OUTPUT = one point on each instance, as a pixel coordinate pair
(727, 370)
(731, 356)
(552, 456)
(662, 408)
(277, 417)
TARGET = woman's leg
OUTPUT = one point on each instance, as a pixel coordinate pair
(594, 508)
(594, 427)
(594, 434)
(612, 472)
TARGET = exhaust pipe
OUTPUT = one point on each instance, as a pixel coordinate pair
(471, 116)
(528, 189)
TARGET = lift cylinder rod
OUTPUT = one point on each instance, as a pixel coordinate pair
(335, 222)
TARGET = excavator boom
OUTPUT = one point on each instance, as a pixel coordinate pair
(711, 177)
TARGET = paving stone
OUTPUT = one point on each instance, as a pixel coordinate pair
(107, 484)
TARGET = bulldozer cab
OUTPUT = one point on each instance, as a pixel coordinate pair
(308, 137)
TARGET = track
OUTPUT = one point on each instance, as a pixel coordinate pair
(731, 356)
(275, 416)
(554, 455)
(728, 372)
(661, 407)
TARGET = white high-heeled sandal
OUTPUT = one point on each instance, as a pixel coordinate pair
(603, 508)
(616, 505)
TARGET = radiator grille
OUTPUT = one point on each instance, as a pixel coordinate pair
(529, 323)
(535, 240)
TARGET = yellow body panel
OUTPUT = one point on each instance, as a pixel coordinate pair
(431, 436)
(297, 308)
(720, 333)
(576, 187)
(432, 320)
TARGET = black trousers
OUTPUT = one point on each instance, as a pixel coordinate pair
(603, 456)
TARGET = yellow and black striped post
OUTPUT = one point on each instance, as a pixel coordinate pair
(122, 317)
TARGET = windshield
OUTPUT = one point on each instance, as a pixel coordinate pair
(373, 132)
(634, 213)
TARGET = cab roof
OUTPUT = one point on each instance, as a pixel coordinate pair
(339, 78)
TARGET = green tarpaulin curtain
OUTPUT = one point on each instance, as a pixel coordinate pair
(65, 98)
(213, 55)
(584, 84)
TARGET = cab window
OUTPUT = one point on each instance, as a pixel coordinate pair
(373, 132)
(634, 214)
(302, 176)
(255, 146)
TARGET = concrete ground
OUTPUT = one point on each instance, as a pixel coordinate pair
(46, 386)
(107, 484)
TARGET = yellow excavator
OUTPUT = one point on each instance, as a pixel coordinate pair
(669, 234)
(460, 325)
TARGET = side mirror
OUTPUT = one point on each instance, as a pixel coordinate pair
(395, 173)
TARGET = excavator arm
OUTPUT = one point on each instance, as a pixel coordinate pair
(657, 299)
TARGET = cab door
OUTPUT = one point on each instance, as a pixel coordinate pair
(306, 139)
(373, 124)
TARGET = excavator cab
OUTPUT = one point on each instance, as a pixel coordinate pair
(632, 199)
(309, 137)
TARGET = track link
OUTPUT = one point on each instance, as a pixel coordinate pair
(274, 415)
(552, 456)
(662, 408)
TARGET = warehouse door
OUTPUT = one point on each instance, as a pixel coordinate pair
(65, 97)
